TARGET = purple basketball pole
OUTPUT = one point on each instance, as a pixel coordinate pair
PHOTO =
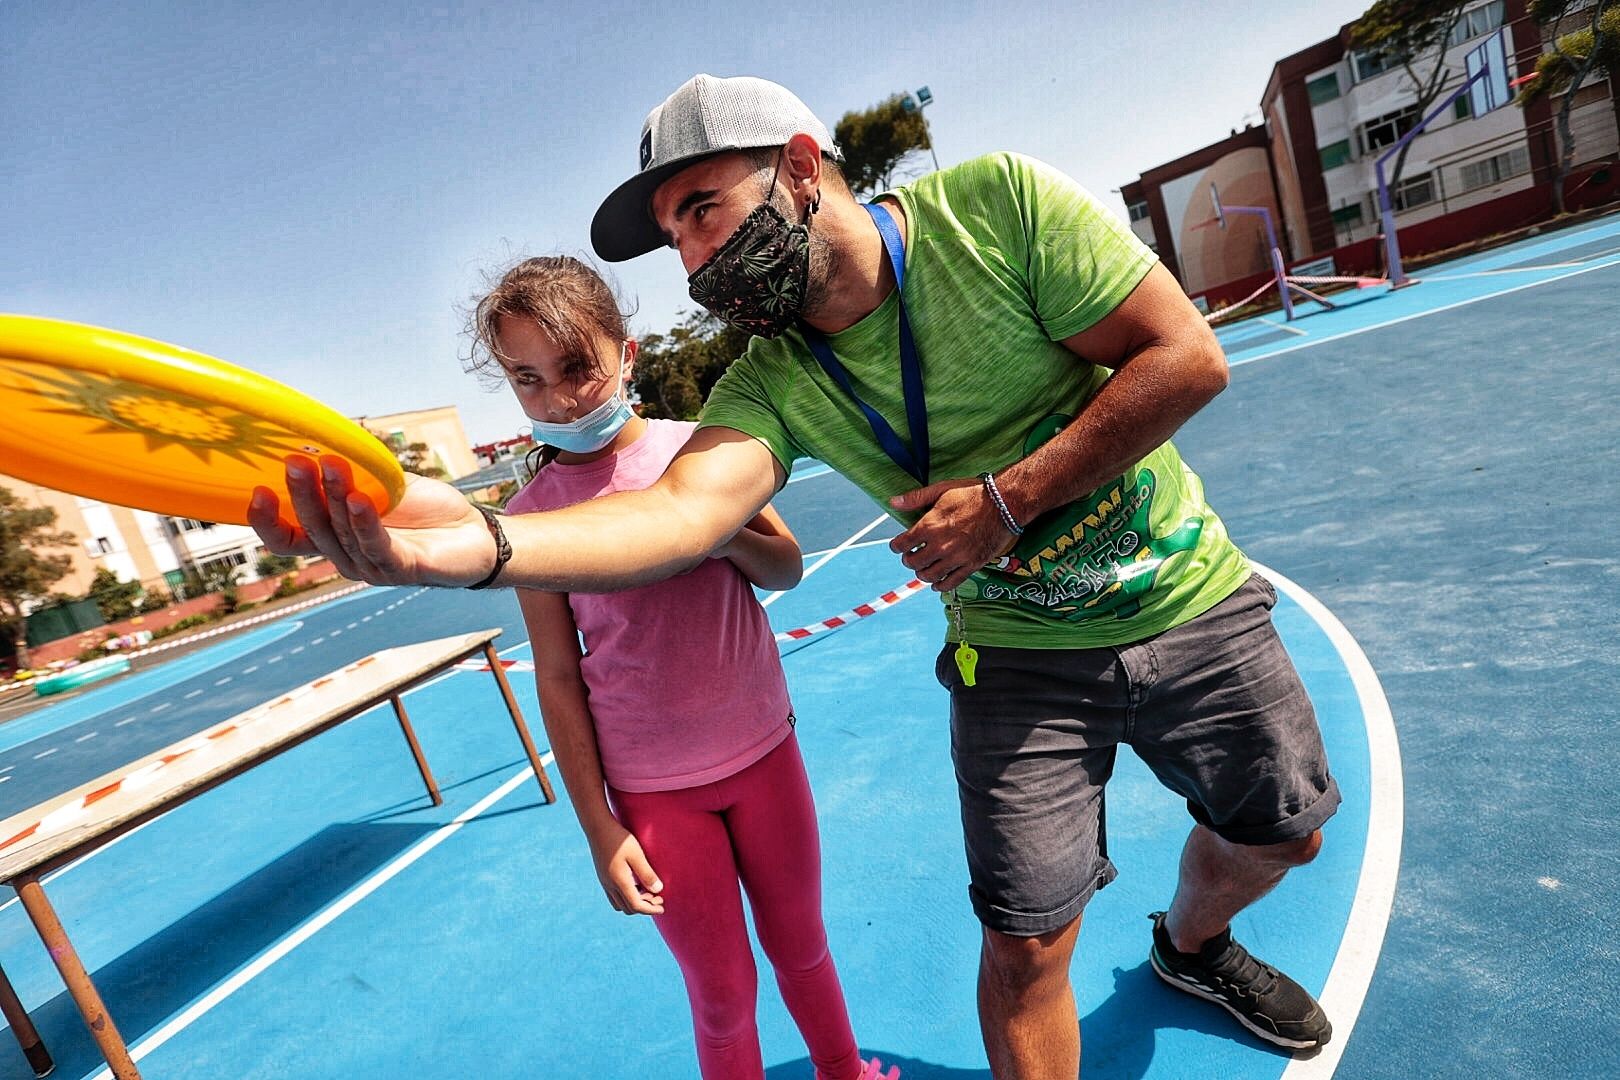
(1278, 267)
(1489, 58)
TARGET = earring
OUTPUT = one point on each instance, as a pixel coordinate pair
(815, 202)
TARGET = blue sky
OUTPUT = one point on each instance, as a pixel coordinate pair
(314, 190)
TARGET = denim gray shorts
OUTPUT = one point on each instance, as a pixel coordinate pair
(1213, 707)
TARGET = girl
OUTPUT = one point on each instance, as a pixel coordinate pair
(672, 730)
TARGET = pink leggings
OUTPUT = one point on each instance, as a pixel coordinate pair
(757, 826)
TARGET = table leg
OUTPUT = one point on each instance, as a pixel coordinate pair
(517, 722)
(33, 1047)
(416, 749)
(76, 977)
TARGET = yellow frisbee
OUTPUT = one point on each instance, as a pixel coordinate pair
(136, 422)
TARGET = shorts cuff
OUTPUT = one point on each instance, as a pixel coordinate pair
(1024, 924)
(1296, 827)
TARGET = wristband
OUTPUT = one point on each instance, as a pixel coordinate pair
(1007, 519)
(503, 547)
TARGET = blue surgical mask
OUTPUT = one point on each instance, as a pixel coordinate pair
(596, 428)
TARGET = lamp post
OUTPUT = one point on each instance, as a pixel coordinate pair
(917, 103)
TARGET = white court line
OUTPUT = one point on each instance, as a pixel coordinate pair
(1524, 269)
(126, 720)
(222, 682)
(1346, 988)
(810, 473)
(1418, 315)
(324, 918)
(827, 558)
(87, 738)
(1282, 326)
(108, 846)
(194, 693)
(852, 547)
(45, 753)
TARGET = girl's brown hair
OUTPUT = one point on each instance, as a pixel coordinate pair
(568, 299)
(564, 296)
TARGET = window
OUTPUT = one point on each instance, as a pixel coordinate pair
(1335, 154)
(1591, 94)
(1366, 65)
(1323, 88)
(1413, 192)
(1493, 170)
(103, 545)
(1387, 129)
(1463, 108)
(1346, 217)
(224, 562)
(1137, 210)
(1479, 21)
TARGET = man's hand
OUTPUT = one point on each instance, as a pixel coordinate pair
(433, 537)
(959, 534)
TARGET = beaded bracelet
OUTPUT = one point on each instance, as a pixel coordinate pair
(1007, 519)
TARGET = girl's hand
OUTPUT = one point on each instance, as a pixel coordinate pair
(628, 879)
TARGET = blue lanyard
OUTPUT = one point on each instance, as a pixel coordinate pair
(910, 365)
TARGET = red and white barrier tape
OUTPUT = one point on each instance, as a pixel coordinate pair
(1211, 316)
(506, 665)
(1358, 282)
(871, 607)
(66, 813)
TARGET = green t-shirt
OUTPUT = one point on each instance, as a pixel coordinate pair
(1005, 257)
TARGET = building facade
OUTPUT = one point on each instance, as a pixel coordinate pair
(1330, 111)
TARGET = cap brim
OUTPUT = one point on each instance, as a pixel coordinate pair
(623, 227)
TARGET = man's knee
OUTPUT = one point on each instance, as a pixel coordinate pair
(1018, 967)
(1293, 852)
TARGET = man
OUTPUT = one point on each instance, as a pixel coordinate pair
(1011, 400)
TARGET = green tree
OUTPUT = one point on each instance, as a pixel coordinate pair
(674, 372)
(26, 575)
(877, 142)
(416, 457)
(115, 598)
(1584, 43)
(270, 564)
(222, 578)
(1411, 33)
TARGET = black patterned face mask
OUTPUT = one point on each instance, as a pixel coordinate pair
(756, 281)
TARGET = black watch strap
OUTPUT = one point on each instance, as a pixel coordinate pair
(503, 547)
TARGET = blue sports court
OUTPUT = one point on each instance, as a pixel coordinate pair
(1425, 474)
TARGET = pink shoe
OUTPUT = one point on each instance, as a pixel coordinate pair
(873, 1070)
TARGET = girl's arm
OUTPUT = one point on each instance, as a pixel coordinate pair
(766, 552)
(627, 878)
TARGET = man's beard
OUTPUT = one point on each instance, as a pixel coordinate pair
(825, 259)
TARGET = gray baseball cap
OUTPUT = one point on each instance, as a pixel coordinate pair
(706, 116)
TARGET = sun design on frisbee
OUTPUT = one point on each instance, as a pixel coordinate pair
(166, 417)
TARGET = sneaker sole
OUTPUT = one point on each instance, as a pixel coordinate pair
(1268, 1036)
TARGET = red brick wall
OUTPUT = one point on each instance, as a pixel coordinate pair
(252, 592)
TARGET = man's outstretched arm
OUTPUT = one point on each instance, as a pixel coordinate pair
(718, 482)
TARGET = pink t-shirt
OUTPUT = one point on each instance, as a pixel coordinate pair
(685, 683)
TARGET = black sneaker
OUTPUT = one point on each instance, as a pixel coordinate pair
(1263, 999)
